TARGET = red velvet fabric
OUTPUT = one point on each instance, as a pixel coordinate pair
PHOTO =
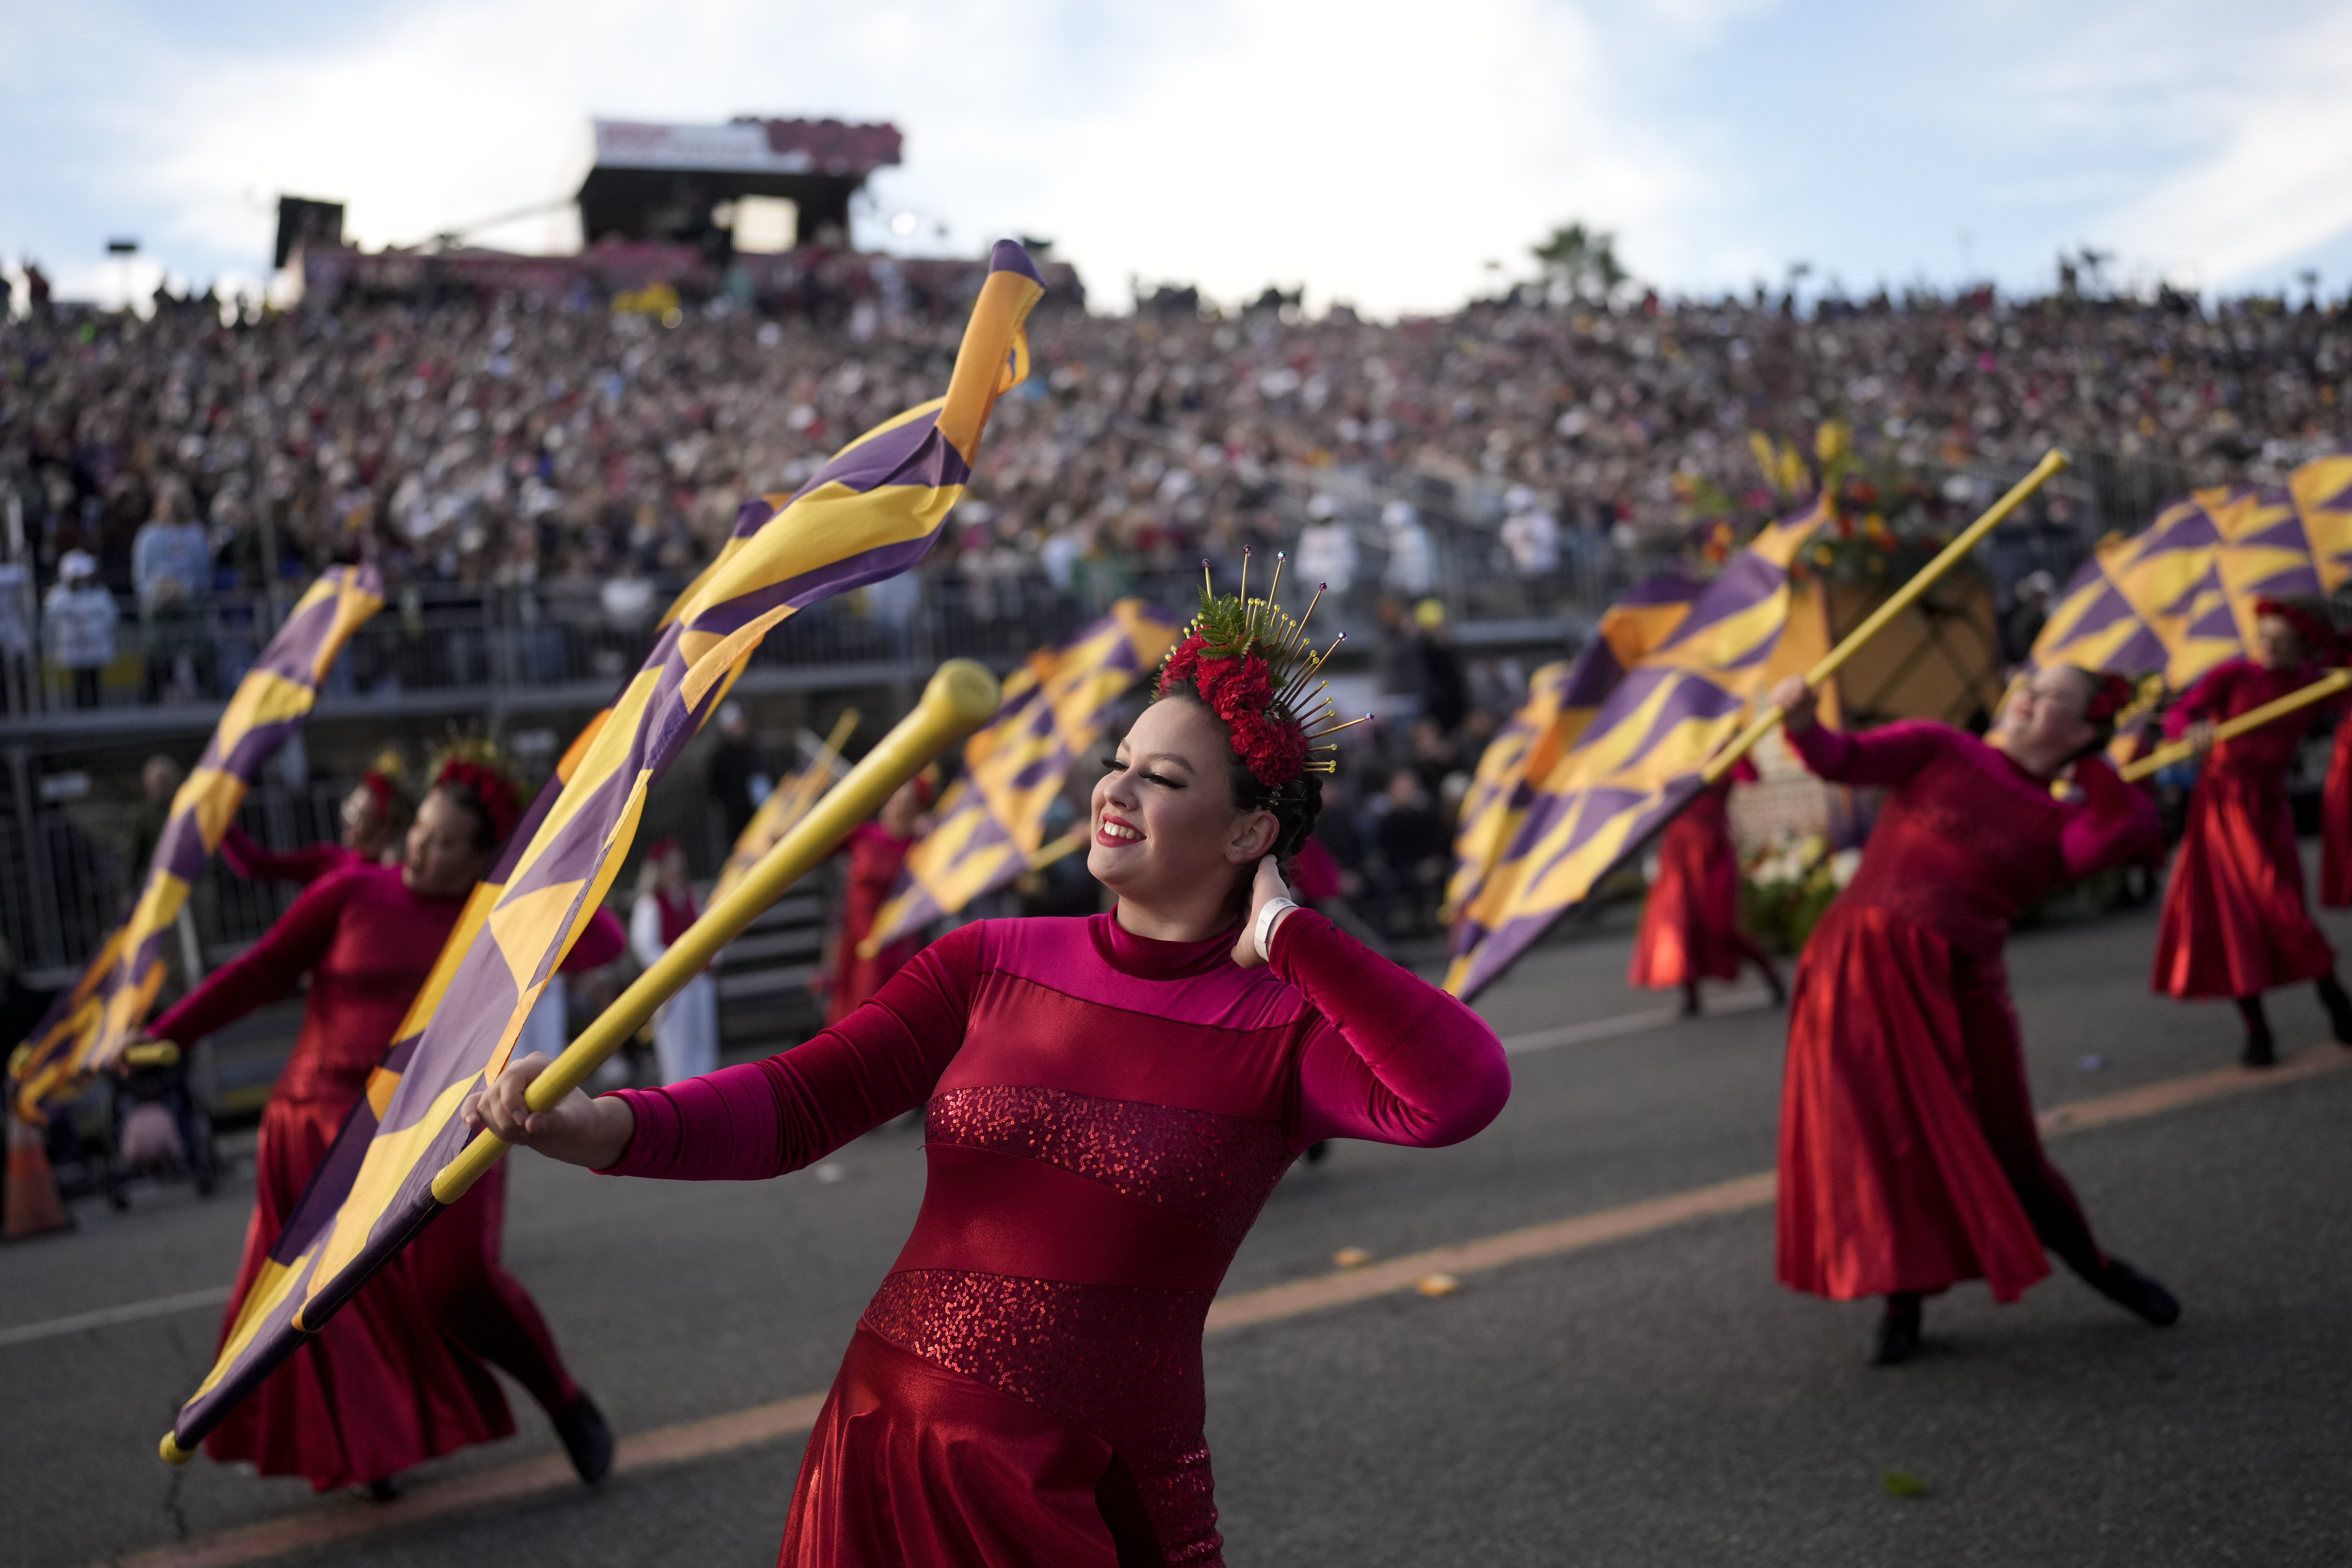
(2235, 922)
(2335, 824)
(1908, 1154)
(875, 855)
(913, 1464)
(244, 855)
(1690, 925)
(396, 1376)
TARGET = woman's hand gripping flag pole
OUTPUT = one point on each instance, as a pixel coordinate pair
(1899, 601)
(2319, 690)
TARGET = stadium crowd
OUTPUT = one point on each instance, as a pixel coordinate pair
(509, 444)
(156, 472)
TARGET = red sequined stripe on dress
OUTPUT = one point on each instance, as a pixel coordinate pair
(1213, 1170)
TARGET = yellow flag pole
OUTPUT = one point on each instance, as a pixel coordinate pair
(961, 697)
(1061, 848)
(1899, 601)
(820, 771)
(2326, 686)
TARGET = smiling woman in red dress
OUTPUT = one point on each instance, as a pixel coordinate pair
(2235, 923)
(398, 1376)
(1909, 1159)
(1109, 1102)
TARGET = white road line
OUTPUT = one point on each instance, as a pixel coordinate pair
(1517, 1045)
(1627, 1024)
(107, 1316)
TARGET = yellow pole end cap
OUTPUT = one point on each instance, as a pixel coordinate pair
(966, 689)
(171, 1451)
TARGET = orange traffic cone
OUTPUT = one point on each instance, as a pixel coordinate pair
(33, 1203)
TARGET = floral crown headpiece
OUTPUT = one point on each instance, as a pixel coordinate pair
(476, 763)
(2110, 695)
(2318, 634)
(1249, 660)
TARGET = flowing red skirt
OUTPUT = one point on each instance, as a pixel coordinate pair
(379, 1388)
(1690, 927)
(2336, 823)
(2235, 923)
(1905, 1067)
(912, 1464)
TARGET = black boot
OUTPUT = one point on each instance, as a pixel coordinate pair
(1898, 1337)
(1773, 983)
(2137, 1294)
(384, 1489)
(1690, 999)
(586, 1438)
(2261, 1051)
(2339, 1008)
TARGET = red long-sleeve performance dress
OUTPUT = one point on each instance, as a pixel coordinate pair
(1106, 1115)
(1909, 1158)
(2336, 823)
(1690, 925)
(246, 855)
(2235, 922)
(396, 1376)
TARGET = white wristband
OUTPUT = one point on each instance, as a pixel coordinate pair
(1262, 934)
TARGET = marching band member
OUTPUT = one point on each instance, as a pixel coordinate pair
(686, 1028)
(2235, 923)
(1909, 1158)
(1110, 1099)
(397, 1376)
(1690, 923)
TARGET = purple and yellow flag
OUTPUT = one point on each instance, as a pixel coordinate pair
(993, 818)
(870, 512)
(1561, 700)
(89, 1026)
(1638, 731)
(2178, 597)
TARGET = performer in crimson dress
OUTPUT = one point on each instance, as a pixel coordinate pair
(1110, 1099)
(2336, 823)
(878, 851)
(398, 1375)
(1690, 925)
(1909, 1158)
(2235, 923)
(375, 817)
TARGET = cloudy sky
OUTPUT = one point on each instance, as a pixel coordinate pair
(1381, 153)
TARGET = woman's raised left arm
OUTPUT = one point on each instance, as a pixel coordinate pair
(1393, 1060)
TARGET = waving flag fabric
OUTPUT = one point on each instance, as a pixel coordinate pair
(88, 1026)
(2178, 597)
(993, 818)
(871, 512)
(1561, 700)
(1644, 728)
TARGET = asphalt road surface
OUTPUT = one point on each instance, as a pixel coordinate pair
(1654, 1398)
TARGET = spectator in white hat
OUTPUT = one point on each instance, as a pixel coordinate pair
(1412, 558)
(1326, 547)
(1530, 535)
(79, 615)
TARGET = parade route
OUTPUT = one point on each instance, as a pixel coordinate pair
(1341, 1398)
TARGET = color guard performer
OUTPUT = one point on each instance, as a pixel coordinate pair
(1110, 1101)
(1909, 1158)
(2235, 923)
(398, 1376)
(1690, 924)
